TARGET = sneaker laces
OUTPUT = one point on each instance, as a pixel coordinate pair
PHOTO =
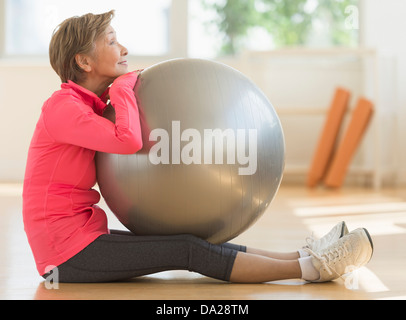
(329, 256)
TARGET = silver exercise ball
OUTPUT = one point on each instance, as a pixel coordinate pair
(213, 154)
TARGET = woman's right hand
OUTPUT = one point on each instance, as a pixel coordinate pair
(125, 81)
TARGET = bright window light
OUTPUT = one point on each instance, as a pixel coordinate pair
(141, 26)
(229, 27)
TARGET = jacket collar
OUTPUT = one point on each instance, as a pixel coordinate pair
(98, 104)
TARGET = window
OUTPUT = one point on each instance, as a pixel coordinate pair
(142, 26)
(195, 28)
(230, 26)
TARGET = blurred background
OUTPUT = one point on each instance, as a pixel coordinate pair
(297, 51)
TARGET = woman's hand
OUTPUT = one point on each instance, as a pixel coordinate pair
(125, 81)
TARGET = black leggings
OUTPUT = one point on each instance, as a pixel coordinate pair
(122, 255)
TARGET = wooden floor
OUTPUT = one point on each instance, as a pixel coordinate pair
(295, 214)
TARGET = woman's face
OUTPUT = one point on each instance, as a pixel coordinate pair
(109, 58)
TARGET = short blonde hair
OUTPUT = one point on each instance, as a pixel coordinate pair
(74, 36)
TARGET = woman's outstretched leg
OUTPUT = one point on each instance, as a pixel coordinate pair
(275, 255)
(252, 268)
(122, 256)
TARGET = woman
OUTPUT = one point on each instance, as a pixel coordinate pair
(65, 228)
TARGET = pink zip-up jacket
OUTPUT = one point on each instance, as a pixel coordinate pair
(59, 205)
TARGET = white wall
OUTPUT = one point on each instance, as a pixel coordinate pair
(301, 85)
(383, 25)
(23, 89)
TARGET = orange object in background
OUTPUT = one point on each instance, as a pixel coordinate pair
(328, 137)
(361, 118)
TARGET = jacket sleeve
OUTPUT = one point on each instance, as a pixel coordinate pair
(69, 121)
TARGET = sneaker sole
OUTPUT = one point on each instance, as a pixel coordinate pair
(370, 241)
(343, 229)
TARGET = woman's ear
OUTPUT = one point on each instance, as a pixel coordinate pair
(83, 61)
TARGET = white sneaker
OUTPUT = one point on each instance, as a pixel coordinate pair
(350, 252)
(339, 231)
